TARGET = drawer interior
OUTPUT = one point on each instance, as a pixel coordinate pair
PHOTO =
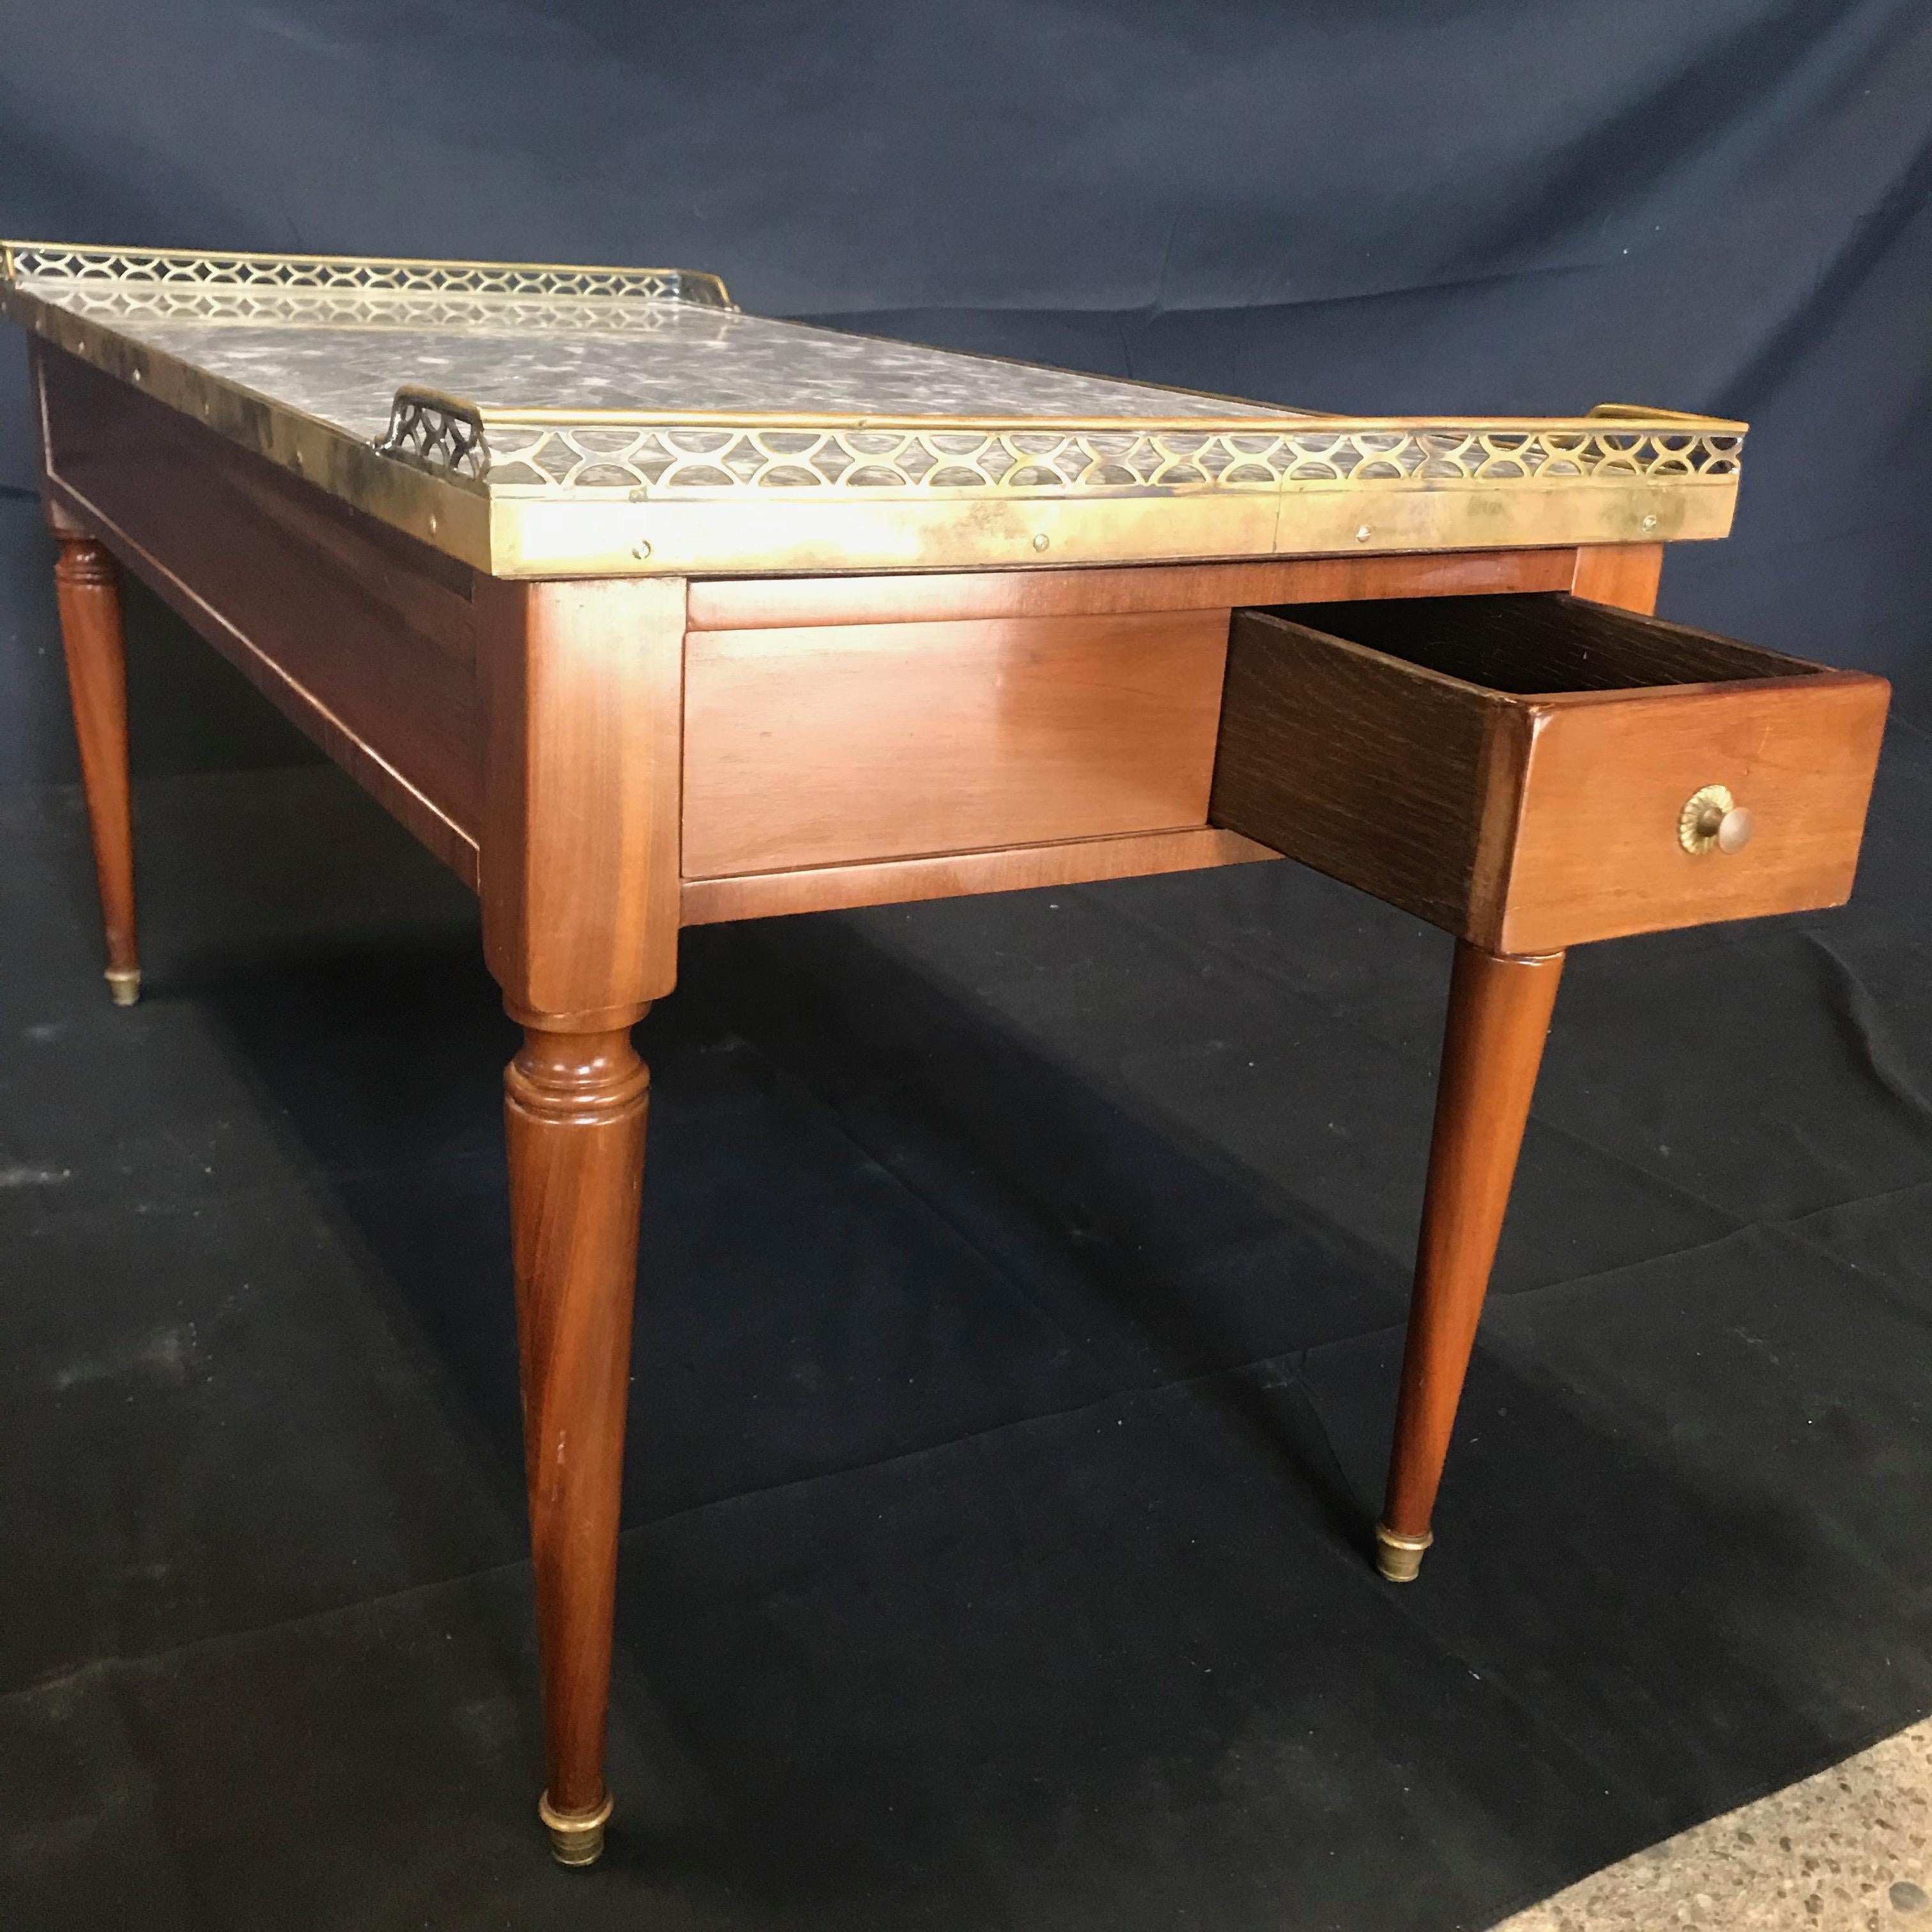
(1542, 644)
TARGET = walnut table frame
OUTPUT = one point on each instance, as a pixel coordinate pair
(679, 615)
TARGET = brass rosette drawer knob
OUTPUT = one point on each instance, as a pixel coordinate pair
(1712, 820)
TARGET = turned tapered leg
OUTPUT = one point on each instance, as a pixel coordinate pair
(574, 1105)
(1499, 1011)
(97, 675)
(582, 688)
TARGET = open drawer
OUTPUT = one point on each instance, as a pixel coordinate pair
(1532, 772)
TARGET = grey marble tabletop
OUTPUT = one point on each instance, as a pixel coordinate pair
(537, 419)
(342, 361)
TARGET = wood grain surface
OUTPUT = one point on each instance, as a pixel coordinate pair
(754, 603)
(574, 1108)
(89, 595)
(831, 744)
(363, 638)
(1499, 1011)
(1535, 645)
(1624, 574)
(892, 881)
(1596, 853)
(1368, 769)
(583, 682)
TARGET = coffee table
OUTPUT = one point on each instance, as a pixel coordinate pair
(641, 612)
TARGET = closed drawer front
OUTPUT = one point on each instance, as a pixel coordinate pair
(840, 744)
(1533, 772)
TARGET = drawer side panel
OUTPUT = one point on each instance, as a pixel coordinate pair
(1358, 765)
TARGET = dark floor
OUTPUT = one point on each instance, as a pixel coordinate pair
(1021, 1286)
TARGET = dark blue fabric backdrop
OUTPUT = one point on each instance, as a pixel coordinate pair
(1023, 1273)
(1448, 205)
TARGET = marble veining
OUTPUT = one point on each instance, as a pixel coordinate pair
(343, 362)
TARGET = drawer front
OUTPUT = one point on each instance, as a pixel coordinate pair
(835, 744)
(1518, 770)
(1597, 850)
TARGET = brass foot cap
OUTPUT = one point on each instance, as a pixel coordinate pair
(125, 983)
(1399, 1558)
(577, 1840)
